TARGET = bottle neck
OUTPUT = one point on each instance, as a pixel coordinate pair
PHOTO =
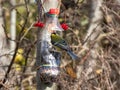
(51, 15)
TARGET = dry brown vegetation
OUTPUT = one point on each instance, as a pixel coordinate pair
(105, 72)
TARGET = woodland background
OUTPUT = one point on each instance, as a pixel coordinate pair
(94, 35)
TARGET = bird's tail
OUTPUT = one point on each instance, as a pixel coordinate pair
(72, 55)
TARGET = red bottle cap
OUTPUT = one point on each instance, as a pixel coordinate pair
(54, 11)
(39, 24)
(64, 26)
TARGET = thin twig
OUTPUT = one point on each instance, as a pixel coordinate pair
(86, 40)
(6, 86)
(27, 31)
(17, 46)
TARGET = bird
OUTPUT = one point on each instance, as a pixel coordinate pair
(60, 43)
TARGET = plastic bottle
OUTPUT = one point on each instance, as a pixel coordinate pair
(52, 20)
(48, 4)
(50, 60)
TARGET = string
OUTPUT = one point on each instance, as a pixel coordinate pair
(39, 10)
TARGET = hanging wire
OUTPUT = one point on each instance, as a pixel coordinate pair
(39, 10)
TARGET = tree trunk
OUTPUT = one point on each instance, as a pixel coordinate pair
(4, 55)
(13, 27)
(93, 32)
(43, 46)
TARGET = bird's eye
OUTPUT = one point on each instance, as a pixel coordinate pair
(64, 42)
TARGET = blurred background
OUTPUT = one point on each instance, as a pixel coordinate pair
(93, 34)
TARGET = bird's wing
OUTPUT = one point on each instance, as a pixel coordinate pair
(62, 44)
(58, 41)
